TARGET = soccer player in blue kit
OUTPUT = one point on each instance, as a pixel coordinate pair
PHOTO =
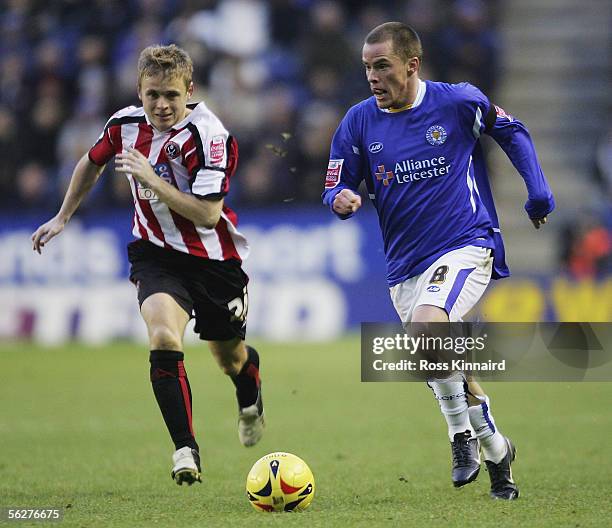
(416, 145)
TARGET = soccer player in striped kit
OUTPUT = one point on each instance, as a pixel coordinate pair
(187, 254)
(416, 146)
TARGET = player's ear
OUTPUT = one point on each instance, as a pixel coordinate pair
(190, 90)
(414, 64)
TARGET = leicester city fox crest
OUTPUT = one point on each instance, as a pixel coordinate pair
(436, 135)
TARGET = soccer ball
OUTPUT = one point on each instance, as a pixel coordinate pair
(280, 482)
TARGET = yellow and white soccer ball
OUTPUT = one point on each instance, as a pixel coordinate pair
(280, 482)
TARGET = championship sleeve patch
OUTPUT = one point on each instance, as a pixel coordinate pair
(216, 151)
(334, 169)
(502, 113)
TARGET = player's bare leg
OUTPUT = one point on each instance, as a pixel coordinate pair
(452, 397)
(230, 355)
(241, 363)
(166, 322)
(498, 451)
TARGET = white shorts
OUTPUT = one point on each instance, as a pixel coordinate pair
(455, 282)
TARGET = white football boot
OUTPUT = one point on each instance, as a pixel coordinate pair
(251, 423)
(186, 468)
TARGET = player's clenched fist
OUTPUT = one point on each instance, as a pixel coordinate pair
(346, 202)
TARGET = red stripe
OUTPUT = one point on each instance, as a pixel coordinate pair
(232, 163)
(185, 391)
(187, 229)
(102, 151)
(233, 217)
(107, 146)
(253, 371)
(188, 145)
(191, 161)
(143, 145)
(181, 369)
(152, 221)
(144, 139)
(189, 234)
(227, 244)
(115, 137)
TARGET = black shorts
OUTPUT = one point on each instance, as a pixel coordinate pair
(213, 291)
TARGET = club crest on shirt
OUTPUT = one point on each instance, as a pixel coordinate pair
(436, 135)
(334, 169)
(172, 150)
(217, 149)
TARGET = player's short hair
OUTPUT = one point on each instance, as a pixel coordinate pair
(405, 40)
(170, 61)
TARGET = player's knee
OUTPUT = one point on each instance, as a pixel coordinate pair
(428, 322)
(162, 337)
(426, 313)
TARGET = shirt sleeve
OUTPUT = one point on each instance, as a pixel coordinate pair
(344, 167)
(107, 145)
(473, 108)
(213, 162)
(514, 139)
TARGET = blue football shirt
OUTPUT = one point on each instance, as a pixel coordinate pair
(425, 174)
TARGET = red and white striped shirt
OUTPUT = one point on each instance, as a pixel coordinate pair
(198, 157)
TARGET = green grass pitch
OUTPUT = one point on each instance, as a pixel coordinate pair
(79, 429)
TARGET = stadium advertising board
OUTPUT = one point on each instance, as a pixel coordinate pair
(312, 278)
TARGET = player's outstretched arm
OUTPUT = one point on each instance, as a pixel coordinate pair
(84, 176)
(514, 139)
(202, 212)
(346, 202)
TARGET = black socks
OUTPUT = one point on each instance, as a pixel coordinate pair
(173, 395)
(247, 381)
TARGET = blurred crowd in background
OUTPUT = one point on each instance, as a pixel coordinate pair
(280, 74)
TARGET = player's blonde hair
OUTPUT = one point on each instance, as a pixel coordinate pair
(170, 61)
